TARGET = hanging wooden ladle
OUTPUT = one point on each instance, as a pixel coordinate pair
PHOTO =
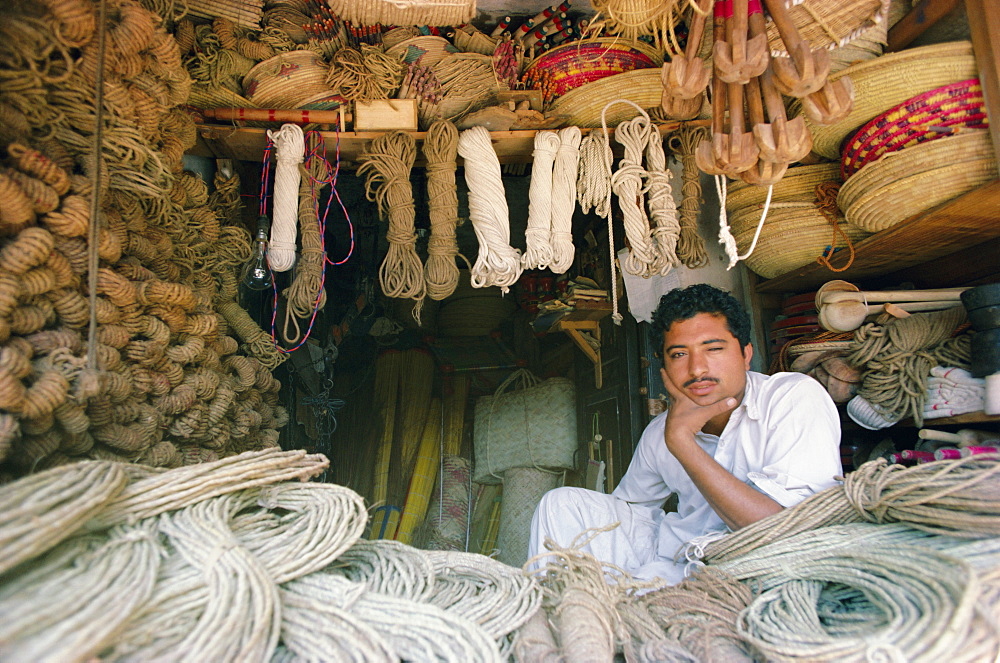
(718, 141)
(781, 139)
(805, 71)
(736, 59)
(764, 172)
(685, 77)
(848, 315)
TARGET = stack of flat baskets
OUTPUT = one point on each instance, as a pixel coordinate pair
(795, 232)
(286, 80)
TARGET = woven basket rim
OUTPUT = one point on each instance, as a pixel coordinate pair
(788, 189)
(608, 42)
(281, 57)
(584, 104)
(816, 23)
(884, 207)
(879, 85)
(961, 148)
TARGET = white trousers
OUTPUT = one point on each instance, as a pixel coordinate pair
(564, 513)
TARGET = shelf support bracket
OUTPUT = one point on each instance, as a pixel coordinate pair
(575, 329)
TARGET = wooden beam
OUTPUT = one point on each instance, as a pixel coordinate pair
(984, 23)
(924, 14)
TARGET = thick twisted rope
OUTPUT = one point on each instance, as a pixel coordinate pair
(498, 263)
(564, 179)
(628, 184)
(290, 143)
(662, 208)
(690, 244)
(441, 151)
(538, 252)
(386, 166)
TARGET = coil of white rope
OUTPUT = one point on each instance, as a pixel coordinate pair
(498, 263)
(564, 176)
(628, 185)
(662, 208)
(290, 149)
(538, 252)
(726, 234)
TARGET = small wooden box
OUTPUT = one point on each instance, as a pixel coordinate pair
(385, 115)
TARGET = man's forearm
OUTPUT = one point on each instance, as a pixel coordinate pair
(736, 503)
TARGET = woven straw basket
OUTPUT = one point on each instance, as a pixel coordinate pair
(203, 96)
(404, 12)
(826, 24)
(425, 50)
(913, 180)
(794, 235)
(799, 184)
(574, 65)
(917, 120)
(583, 105)
(286, 79)
(530, 427)
(882, 83)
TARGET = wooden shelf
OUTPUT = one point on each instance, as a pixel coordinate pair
(971, 219)
(247, 143)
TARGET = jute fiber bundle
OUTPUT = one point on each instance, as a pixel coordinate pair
(404, 12)
(425, 468)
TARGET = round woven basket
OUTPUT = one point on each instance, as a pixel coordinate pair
(826, 24)
(284, 80)
(794, 235)
(925, 117)
(323, 101)
(882, 83)
(404, 12)
(425, 50)
(972, 151)
(397, 35)
(583, 105)
(203, 96)
(916, 179)
(571, 66)
(799, 183)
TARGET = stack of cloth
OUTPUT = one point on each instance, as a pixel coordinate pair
(952, 391)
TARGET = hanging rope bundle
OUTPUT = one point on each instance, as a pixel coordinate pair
(441, 151)
(366, 74)
(386, 165)
(258, 342)
(538, 252)
(628, 184)
(290, 144)
(498, 263)
(564, 178)
(897, 358)
(690, 245)
(662, 209)
(593, 184)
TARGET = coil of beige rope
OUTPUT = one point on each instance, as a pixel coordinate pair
(690, 245)
(290, 150)
(662, 209)
(441, 151)
(538, 253)
(627, 184)
(386, 165)
(564, 178)
(498, 263)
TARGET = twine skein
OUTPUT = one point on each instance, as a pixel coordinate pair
(290, 143)
(593, 183)
(564, 175)
(386, 168)
(690, 245)
(538, 252)
(441, 152)
(662, 208)
(498, 263)
(627, 183)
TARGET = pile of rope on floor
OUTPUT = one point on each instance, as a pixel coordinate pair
(237, 559)
(164, 379)
(243, 558)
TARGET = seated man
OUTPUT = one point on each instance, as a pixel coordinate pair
(735, 446)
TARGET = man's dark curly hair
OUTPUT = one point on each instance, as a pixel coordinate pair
(685, 303)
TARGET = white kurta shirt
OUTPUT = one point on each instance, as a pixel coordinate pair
(783, 439)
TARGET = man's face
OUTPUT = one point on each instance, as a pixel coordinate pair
(703, 359)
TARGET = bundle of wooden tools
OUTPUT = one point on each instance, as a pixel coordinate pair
(748, 82)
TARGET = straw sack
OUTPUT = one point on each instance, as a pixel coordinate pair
(404, 12)
(910, 181)
(882, 83)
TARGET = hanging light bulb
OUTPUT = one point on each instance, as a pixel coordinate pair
(256, 274)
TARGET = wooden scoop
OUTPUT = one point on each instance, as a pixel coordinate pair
(736, 59)
(718, 143)
(832, 103)
(806, 70)
(848, 315)
(781, 139)
(880, 296)
(765, 171)
(686, 76)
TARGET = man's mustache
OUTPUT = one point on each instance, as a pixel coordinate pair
(697, 380)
